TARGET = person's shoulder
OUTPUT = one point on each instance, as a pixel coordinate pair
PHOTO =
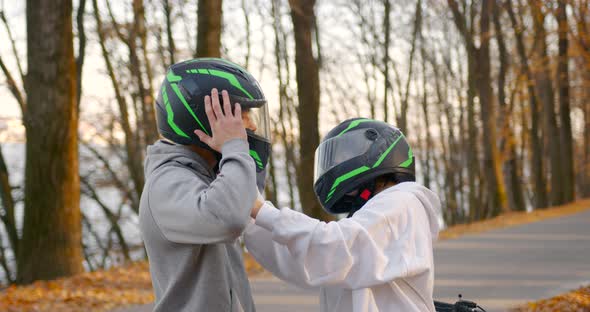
(175, 174)
(395, 192)
(395, 200)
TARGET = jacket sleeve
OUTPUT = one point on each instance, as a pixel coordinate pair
(378, 244)
(274, 257)
(188, 210)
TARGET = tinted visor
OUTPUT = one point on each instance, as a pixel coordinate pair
(339, 149)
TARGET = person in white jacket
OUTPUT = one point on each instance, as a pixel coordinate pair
(380, 257)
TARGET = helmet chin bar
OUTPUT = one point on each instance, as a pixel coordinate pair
(260, 150)
(353, 203)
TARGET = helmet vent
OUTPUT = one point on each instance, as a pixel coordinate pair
(371, 134)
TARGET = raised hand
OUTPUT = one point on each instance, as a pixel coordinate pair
(225, 125)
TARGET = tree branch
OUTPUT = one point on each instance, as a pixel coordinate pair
(13, 88)
(13, 45)
(8, 206)
(81, 50)
(90, 191)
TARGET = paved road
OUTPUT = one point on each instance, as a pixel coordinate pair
(498, 269)
(504, 267)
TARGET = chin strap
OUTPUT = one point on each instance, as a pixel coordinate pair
(366, 192)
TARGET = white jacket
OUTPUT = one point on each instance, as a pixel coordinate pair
(380, 259)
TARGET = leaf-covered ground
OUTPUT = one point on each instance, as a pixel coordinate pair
(94, 291)
(130, 284)
(574, 301)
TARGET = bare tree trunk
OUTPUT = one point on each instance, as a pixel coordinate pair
(544, 89)
(7, 214)
(452, 213)
(146, 123)
(145, 129)
(52, 226)
(402, 121)
(582, 43)
(513, 186)
(369, 62)
(149, 127)
(386, 83)
(567, 150)
(308, 91)
(133, 159)
(586, 165)
(287, 122)
(280, 57)
(428, 140)
(248, 40)
(463, 133)
(270, 191)
(171, 45)
(81, 50)
(209, 28)
(540, 190)
(473, 170)
(492, 167)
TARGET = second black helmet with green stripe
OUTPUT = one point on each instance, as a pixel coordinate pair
(352, 156)
(180, 104)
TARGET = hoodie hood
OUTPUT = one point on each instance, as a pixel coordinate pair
(163, 152)
(429, 200)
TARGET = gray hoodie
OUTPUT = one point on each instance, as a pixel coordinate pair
(190, 218)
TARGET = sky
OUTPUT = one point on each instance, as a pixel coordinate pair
(97, 87)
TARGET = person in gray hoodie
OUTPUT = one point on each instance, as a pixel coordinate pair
(201, 185)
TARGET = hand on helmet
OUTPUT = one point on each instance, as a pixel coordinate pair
(224, 126)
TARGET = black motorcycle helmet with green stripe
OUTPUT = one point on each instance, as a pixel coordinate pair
(352, 156)
(180, 107)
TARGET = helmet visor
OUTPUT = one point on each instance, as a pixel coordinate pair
(254, 115)
(256, 120)
(339, 149)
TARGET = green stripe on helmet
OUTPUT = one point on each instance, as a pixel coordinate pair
(231, 78)
(170, 116)
(345, 177)
(171, 77)
(408, 161)
(177, 91)
(256, 157)
(382, 157)
(352, 125)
